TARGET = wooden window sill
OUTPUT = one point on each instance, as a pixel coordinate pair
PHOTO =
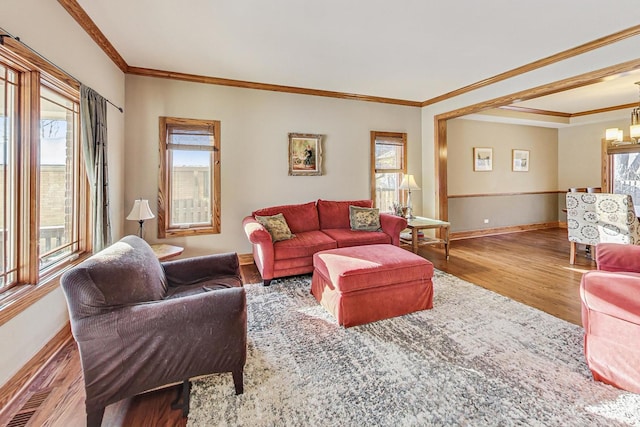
(23, 296)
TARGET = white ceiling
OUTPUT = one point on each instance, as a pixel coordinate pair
(407, 49)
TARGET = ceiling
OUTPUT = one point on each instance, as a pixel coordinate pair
(408, 49)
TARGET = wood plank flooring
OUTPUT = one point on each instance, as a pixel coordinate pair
(531, 267)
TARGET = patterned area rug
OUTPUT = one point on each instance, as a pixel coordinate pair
(475, 359)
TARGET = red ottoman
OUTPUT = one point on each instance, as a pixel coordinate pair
(362, 284)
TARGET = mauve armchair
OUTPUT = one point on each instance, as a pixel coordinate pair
(611, 316)
(142, 325)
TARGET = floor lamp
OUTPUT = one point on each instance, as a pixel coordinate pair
(409, 183)
(140, 213)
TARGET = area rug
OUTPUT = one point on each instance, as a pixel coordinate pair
(475, 359)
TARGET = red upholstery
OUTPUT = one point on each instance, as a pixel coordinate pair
(336, 214)
(611, 316)
(304, 245)
(364, 284)
(345, 237)
(294, 256)
(302, 217)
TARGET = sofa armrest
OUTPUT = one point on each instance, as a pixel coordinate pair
(612, 293)
(263, 253)
(393, 225)
(192, 270)
(618, 257)
(255, 231)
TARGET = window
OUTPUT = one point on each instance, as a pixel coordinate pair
(43, 185)
(60, 169)
(388, 164)
(189, 188)
(622, 171)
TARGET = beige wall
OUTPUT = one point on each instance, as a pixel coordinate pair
(500, 209)
(254, 126)
(579, 153)
(46, 27)
(463, 135)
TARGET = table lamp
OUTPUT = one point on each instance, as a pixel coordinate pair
(409, 183)
(140, 212)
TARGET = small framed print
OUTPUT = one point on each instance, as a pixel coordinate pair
(482, 159)
(305, 154)
(520, 160)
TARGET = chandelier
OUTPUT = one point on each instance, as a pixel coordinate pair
(616, 135)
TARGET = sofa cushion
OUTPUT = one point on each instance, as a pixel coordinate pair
(301, 217)
(364, 219)
(305, 244)
(335, 214)
(345, 237)
(277, 227)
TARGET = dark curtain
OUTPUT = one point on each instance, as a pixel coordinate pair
(93, 118)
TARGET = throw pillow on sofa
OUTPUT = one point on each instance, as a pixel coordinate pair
(364, 219)
(277, 226)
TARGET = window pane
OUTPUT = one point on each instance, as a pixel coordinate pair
(626, 176)
(8, 146)
(388, 156)
(190, 187)
(387, 192)
(58, 178)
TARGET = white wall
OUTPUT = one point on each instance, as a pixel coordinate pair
(254, 126)
(46, 27)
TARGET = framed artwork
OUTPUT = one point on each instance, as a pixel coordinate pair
(482, 159)
(520, 160)
(305, 154)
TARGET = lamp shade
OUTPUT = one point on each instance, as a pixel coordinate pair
(611, 134)
(635, 131)
(409, 183)
(140, 211)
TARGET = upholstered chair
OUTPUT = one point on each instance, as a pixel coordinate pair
(611, 316)
(594, 218)
(141, 324)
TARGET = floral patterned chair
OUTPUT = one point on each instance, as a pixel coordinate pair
(594, 218)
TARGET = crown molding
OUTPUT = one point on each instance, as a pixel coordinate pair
(561, 56)
(77, 12)
(82, 18)
(149, 72)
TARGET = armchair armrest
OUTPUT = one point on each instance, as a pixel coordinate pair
(192, 270)
(148, 345)
(393, 225)
(618, 257)
(612, 293)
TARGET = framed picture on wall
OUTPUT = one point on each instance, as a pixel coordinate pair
(305, 154)
(482, 159)
(520, 160)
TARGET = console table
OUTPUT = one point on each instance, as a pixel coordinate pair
(414, 225)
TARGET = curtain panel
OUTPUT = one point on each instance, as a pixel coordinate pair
(93, 119)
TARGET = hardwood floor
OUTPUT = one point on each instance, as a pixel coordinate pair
(531, 267)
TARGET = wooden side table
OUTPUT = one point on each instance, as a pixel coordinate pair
(164, 252)
(418, 223)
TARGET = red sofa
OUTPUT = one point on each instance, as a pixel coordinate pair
(611, 316)
(317, 226)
